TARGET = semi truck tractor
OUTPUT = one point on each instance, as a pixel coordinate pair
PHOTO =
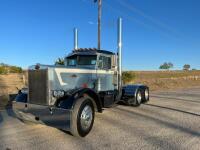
(67, 97)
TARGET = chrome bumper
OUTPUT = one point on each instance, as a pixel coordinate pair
(47, 115)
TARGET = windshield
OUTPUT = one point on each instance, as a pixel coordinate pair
(81, 60)
(86, 60)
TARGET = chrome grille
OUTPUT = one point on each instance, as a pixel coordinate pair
(38, 86)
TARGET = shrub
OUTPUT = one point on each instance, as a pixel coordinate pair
(14, 69)
(166, 66)
(60, 61)
(4, 69)
(186, 67)
(128, 76)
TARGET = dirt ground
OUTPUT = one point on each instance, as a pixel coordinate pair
(171, 121)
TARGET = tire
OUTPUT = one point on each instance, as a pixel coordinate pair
(136, 101)
(138, 98)
(82, 117)
(146, 95)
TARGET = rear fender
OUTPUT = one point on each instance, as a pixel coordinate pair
(131, 90)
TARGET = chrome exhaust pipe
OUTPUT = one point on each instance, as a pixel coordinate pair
(75, 38)
(119, 53)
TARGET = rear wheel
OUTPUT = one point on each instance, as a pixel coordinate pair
(146, 95)
(138, 97)
(82, 117)
(136, 101)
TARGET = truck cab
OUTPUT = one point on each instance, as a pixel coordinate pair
(98, 67)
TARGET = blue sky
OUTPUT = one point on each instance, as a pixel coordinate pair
(39, 31)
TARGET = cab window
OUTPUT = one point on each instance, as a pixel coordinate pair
(104, 62)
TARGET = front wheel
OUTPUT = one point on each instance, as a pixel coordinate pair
(82, 117)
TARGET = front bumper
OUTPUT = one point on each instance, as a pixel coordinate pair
(47, 115)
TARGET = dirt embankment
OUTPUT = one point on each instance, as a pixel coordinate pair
(156, 80)
(10, 82)
(8, 85)
(163, 80)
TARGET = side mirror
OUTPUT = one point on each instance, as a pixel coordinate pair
(114, 61)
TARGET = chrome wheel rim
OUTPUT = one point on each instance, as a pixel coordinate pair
(146, 94)
(86, 117)
(139, 97)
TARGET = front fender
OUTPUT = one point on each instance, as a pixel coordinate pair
(69, 100)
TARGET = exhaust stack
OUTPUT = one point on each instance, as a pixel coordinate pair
(75, 38)
(119, 53)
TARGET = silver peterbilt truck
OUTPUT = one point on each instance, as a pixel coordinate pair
(67, 97)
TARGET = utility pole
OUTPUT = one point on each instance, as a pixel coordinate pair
(99, 22)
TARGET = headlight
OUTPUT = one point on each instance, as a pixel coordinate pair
(58, 93)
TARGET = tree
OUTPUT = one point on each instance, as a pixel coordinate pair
(166, 66)
(60, 61)
(186, 67)
(170, 65)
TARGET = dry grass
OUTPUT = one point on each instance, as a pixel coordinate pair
(160, 80)
(164, 74)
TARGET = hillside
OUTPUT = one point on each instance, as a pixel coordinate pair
(161, 80)
(156, 80)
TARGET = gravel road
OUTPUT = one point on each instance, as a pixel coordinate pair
(171, 120)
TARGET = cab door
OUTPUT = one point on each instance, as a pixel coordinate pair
(105, 74)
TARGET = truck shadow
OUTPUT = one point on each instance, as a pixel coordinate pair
(173, 109)
(173, 98)
(8, 107)
(10, 112)
(161, 122)
(128, 128)
(1, 118)
(66, 132)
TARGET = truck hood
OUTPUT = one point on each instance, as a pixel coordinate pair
(71, 78)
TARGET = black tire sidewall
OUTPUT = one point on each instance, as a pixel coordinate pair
(81, 131)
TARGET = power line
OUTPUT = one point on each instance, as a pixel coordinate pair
(148, 17)
(131, 18)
